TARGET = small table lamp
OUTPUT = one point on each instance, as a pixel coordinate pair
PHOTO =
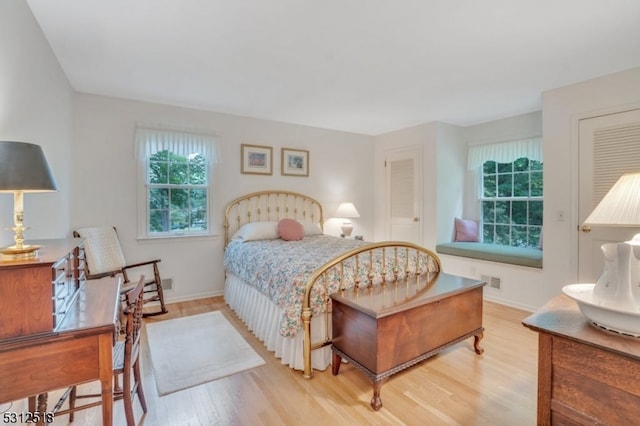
(23, 168)
(613, 302)
(347, 211)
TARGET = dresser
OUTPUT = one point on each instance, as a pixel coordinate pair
(57, 328)
(36, 293)
(586, 375)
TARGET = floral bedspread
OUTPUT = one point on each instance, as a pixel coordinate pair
(280, 270)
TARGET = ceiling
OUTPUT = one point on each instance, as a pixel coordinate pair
(364, 66)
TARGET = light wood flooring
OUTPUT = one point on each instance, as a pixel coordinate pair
(455, 387)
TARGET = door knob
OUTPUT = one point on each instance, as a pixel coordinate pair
(416, 219)
(586, 229)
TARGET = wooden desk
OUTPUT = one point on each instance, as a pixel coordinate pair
(384, 330)
(78, 350)
(586, 375)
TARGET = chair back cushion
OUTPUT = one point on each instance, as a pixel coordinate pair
(102, 250)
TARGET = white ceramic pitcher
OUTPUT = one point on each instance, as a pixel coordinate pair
(619, 285)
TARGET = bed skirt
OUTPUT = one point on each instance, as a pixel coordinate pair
(262, 318)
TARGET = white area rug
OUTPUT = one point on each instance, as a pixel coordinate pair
(197, 349)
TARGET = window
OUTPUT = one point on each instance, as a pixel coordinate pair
(175, 181)
(510, 191)
(512, 202)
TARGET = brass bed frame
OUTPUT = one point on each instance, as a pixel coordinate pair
(274, 205)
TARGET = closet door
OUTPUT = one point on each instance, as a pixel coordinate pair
(609, 147)
(403, 171)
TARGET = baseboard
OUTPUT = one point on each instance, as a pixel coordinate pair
(510, 303)
(190, 297)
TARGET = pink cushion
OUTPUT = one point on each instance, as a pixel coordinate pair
(290, 230)
(467, 230)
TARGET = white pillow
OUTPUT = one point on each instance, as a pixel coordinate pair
(257, 231)
(311, 228)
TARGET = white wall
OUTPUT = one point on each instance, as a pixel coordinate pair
(449, 193)
(530, 288)
(518, 284)
(443, 162)
(522, 126)
(104, 185)
(92, 161)
(35, 107)
(424, 138)
(561, 110)
(451, 175)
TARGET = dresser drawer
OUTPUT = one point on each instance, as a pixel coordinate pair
(66, 280)
(37, 292)
(591, 383)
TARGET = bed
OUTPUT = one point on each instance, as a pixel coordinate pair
(280, 288)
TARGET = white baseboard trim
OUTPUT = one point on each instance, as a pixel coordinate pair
(510, 303)
(189, 297)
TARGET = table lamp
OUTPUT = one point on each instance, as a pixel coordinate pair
(347, 211)
(613, 302)
(23, 168)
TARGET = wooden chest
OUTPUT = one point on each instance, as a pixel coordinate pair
(387, 329)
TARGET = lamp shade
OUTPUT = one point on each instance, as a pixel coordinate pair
(23, 167)
(347, 210)
(621, 205)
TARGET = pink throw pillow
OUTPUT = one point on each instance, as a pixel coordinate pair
(467, 230)
(290, 230)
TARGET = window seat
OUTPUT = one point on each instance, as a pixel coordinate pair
(523, 256)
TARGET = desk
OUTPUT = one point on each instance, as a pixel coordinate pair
(79, 350)
(385, 330)
(586, 375)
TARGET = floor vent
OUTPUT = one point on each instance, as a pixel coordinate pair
(493, 282)
(167, 284)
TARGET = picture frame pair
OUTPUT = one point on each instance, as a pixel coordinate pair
(258, 160)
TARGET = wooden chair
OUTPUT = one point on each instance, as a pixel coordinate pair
(104, 257)
(126, 362)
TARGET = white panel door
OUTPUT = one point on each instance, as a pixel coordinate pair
(609, 147)
(403, 171)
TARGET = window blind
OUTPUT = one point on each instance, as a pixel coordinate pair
(504, 152)
(148, 141)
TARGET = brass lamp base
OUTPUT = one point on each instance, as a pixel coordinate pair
(19, 253)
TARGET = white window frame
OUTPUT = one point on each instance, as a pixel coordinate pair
(510, 199)
(504, 152)
(150, 140)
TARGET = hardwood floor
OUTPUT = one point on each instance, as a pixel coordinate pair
(456, 387)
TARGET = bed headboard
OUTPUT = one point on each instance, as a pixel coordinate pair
(272, 205)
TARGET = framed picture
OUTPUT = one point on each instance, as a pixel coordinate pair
(295, 162)
(256, 160)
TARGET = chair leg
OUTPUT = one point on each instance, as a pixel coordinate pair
(161, 297)
(157, 289)
(116, 384)
(126, 396)
(158, 281)
(72, 402)
(138, 381)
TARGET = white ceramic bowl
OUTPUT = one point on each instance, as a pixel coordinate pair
(618, 320)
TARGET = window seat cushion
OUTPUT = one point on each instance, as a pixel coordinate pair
(524, 256)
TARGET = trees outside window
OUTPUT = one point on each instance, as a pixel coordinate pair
(512, 202)
(178, 193)
(174, 177)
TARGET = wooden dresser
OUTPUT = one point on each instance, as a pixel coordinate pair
(36, 293)
(586, 375)
(56, 328)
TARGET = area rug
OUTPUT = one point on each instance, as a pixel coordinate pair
(193, 350)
